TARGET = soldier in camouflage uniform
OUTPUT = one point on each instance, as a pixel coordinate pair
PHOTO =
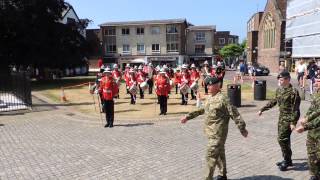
(218, 111)
(311, 123)
(288, 100)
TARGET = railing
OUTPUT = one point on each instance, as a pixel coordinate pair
(15, 91)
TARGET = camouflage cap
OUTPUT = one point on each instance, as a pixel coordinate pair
(284, 74)
(211, 80)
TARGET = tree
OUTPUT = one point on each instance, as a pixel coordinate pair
(31, 34)
(231, 51)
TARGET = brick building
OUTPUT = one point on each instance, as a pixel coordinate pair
(271, 35)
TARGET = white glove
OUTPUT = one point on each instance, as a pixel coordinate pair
(96, 91)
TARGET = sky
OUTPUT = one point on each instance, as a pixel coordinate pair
(226, 15)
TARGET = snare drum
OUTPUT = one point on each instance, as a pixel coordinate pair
(194, 86)
(184, 88)
(133, 89)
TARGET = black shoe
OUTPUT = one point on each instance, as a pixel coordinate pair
(313, 178)
(284, 165)
(111, 126)
(160, 113)
(289, 163)
(221, 177)
(182, 103)
(164, 113)
(107, 125)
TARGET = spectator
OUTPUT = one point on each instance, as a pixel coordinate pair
(281, 67)
(301, 72)
(312, 68)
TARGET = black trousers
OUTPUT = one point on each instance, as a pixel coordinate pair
(205, 88)
(133, 98)
(177, 88)
(141, 93)
(150, 83)
(163, 104)
(109, 110)
(184, 98)
(192, 94)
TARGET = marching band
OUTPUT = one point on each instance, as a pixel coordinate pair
(145, 77)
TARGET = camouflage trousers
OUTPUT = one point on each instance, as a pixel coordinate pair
(215, 157)
(284, 133)
(313, 149)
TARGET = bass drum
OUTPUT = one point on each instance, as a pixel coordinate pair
(144, 85)
(184, 88)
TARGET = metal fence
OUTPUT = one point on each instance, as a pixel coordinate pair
(15, 91)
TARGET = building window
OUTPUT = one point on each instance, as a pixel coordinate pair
(173, 47)
(199, 49)
(125, 31)
(200, 36)
(140, 48)
(230, 41)
(222, 41)
(156, 48)
(140, 31)
(71, 21)
(110, 32)
(126, 48)
(172, 29)
(269, 32)
(155, 30)
(111, 48)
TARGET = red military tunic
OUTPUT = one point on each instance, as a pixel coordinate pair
(116, 74)
(177, 78)
(185, 78)
(163, 86)
(141, 77)
(108, 88)
(194, 76)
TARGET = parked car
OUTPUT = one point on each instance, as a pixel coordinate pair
(260, 70)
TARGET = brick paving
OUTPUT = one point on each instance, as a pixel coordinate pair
(59, 143)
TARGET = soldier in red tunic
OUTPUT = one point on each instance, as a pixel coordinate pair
(177, 79)
(108, 89)
(185, 79)
(117, 75)
(126, 77)
(132, 84)
(162, 90)
(195, 76)
(141, 77)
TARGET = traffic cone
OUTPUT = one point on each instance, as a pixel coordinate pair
(63, 97)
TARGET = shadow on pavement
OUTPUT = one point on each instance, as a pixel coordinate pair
(132, 125)
(172, 113)
(62, 104)
(263, 177)
(128, 110)
(1, 125)
(303, 166)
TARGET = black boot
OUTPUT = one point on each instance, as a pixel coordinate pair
(221, 177)
(284, 165)
(107, 125)
(284, 161)
(313, 178)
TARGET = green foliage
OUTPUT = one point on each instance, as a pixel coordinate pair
(231, 50)
(30, 34)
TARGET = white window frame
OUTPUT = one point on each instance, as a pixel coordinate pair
(202, 45)
(171, 27)
(124, 51)
(155, 30)
(107, 32)
(139, 50)
(108, 49)
(200, 36)
(171, 50)
(222, 40)
(155, 48)
(230, 41)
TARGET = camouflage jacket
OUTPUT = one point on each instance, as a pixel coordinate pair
(288, 100)
(218, 111)
(313, 117)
